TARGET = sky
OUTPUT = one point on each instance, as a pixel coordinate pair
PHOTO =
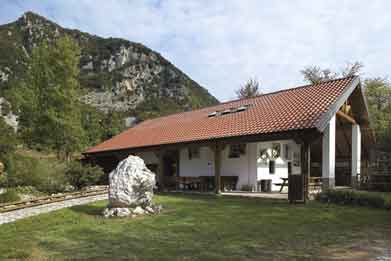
(222, 43)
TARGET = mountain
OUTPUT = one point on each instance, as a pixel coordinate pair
(115, 74)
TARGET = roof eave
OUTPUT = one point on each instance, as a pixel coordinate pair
(326, 117)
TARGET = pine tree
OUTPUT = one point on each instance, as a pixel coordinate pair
(50, 112)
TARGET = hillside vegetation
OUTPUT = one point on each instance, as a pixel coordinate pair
(116, 75)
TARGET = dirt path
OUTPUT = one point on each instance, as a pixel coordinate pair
(33, 211)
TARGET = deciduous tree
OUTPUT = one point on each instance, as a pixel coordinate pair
(249, 89)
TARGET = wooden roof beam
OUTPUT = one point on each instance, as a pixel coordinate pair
(346, 117)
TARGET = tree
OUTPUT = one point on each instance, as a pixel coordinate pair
(314, 74)
(7, 139)
(249, 89)
(378, 94)
(47, 99)
(80, 176)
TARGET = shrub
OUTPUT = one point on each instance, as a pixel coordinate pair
(44, 174)
(29, 190)
(3, 180)
(80, 176)
(357, 198)
(51, 177)
(9, 196)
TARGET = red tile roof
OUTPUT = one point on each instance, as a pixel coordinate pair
(291, 109)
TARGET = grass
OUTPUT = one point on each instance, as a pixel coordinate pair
(202, 228)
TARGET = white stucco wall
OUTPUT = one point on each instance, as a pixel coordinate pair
(249, 167)
(202, 166)
(281, 163)
(244, 167)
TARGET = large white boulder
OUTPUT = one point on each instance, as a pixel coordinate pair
(131, 184)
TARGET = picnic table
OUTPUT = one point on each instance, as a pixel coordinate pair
(283, 184)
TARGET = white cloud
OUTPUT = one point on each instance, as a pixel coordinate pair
(220, 44)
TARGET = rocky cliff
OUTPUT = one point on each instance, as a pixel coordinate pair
(116, 74)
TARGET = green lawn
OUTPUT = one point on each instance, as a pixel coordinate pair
(203, 228)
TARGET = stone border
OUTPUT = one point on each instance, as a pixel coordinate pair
(12, 216)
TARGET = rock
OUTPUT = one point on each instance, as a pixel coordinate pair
(1, 168)
(138, 211)
(131, 184)
(131, 190)
(117, 212)
(123, 212)
(149, 210)
(108, 212)
(157, 209)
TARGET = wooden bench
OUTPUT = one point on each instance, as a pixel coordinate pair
(315, 184)
(229, 183)
(189, 183)
(206, 183)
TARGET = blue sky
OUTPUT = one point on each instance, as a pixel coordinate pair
(222, 43)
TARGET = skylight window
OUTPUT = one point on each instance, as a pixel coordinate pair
(226, 111)
(212, 114)
(229, 111)
(241, 108)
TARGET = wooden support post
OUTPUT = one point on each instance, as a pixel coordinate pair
(161, 170)
(217, 167)
(306, 167)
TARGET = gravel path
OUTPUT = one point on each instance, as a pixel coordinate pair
(33, 211)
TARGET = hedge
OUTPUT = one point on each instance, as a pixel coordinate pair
(356, 198)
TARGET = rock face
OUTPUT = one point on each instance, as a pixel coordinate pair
(131, 189)
(117, 75)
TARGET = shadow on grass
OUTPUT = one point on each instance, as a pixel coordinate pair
(92, 210)
(224, 200)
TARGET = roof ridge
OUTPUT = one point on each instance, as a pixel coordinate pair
(251, 98)
(288, 89)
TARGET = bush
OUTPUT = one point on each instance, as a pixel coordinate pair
(9, 196)
(29, 190)
(80, 176)
(52, 177)
(3, 180)
(356, 198)
(44, 174)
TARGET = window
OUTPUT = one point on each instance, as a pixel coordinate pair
(236, 150)
(296, 159)
(289, 168)
(263, 155)
(287, 152)
(272, 167)
(194, 153)
(276, 150)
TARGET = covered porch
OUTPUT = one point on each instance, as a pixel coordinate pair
(314, 144)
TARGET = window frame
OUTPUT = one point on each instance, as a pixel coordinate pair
(237, 150)
(272, 167)
(193, 153)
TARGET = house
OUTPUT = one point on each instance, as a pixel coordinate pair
(312, 132)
